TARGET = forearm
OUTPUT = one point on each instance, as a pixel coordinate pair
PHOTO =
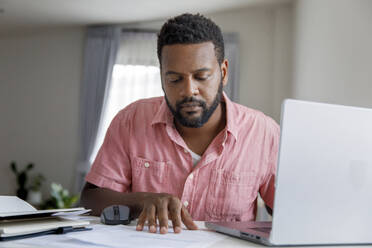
(97, 199)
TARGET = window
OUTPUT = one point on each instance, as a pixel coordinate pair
(129, 84)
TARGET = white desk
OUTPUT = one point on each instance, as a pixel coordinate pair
(63, 241)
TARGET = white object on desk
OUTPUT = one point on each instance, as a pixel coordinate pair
(14, 204)
(18, 218)
(126, 236)
(30, 226)
(123, 236)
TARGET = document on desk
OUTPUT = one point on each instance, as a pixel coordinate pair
(14, 204)
(104, 236)
(126, 236)
(11, 207)
(19, 220)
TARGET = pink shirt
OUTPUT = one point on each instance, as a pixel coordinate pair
(143, 152)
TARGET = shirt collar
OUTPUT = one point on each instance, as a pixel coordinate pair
(164, 115)
(230, 116)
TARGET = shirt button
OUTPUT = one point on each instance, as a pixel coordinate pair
(185, 203)
(191, 176)
(147, 165)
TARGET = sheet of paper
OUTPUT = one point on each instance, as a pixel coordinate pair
(127, 236)
(10, 204)
(50, 241)
(70, 214)
(124, 236)
(14, 206)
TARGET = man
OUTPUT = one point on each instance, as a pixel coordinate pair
(192, 154)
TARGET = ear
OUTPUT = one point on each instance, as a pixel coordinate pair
(225, 71)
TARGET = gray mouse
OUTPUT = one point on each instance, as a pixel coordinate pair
(115, 215)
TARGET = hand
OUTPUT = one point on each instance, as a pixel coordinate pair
(163, 206)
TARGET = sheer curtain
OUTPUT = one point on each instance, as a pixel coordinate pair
(135, 76)
(101, 46)
(231, 41)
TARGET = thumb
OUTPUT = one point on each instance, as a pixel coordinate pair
(187, 219)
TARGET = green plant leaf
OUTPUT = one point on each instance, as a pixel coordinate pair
(30, 166)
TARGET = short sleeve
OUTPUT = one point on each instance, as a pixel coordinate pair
(111, 168)
(267, 188)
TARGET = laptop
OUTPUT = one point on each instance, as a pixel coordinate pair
(323, 193)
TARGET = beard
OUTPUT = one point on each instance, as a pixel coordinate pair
(199, 121)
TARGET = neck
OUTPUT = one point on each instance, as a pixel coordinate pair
(212, 127)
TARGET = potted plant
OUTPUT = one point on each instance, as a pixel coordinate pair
(22, 178)
(60, 198)
(34, 196)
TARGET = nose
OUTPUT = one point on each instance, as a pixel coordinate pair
(190, 88)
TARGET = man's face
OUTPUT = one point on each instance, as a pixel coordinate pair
(192, 81)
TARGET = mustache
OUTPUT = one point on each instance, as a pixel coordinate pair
(190, 101)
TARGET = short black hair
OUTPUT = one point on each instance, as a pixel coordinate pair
(191, 29)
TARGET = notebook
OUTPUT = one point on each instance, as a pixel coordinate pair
(18, 219)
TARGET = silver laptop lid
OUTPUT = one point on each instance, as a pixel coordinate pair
(324, 178)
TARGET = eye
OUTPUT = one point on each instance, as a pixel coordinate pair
(174, 79)
(202, 77)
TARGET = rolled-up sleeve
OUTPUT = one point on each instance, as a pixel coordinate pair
(111, 168)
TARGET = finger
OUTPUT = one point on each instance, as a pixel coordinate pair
(175, 216)
(141, 221)
(187, 220)
(163, 217)
(151, 219)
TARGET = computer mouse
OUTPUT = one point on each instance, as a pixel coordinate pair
(115, 215)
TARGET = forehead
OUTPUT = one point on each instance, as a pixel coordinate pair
(179, 57)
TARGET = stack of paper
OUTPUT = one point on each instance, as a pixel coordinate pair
(18, 219)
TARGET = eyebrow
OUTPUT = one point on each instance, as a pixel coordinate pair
(177, 73)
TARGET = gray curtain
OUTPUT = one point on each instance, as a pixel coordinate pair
(232, 55)
(138, 48)
(101, 47)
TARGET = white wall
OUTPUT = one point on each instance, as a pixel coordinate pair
(265, 54)
(333, 55)
(40, 74)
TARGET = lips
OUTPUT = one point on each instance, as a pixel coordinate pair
(187, 105)
(190, 107)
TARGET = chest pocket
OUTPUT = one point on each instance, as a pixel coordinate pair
(149, 175)
(230, 194)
